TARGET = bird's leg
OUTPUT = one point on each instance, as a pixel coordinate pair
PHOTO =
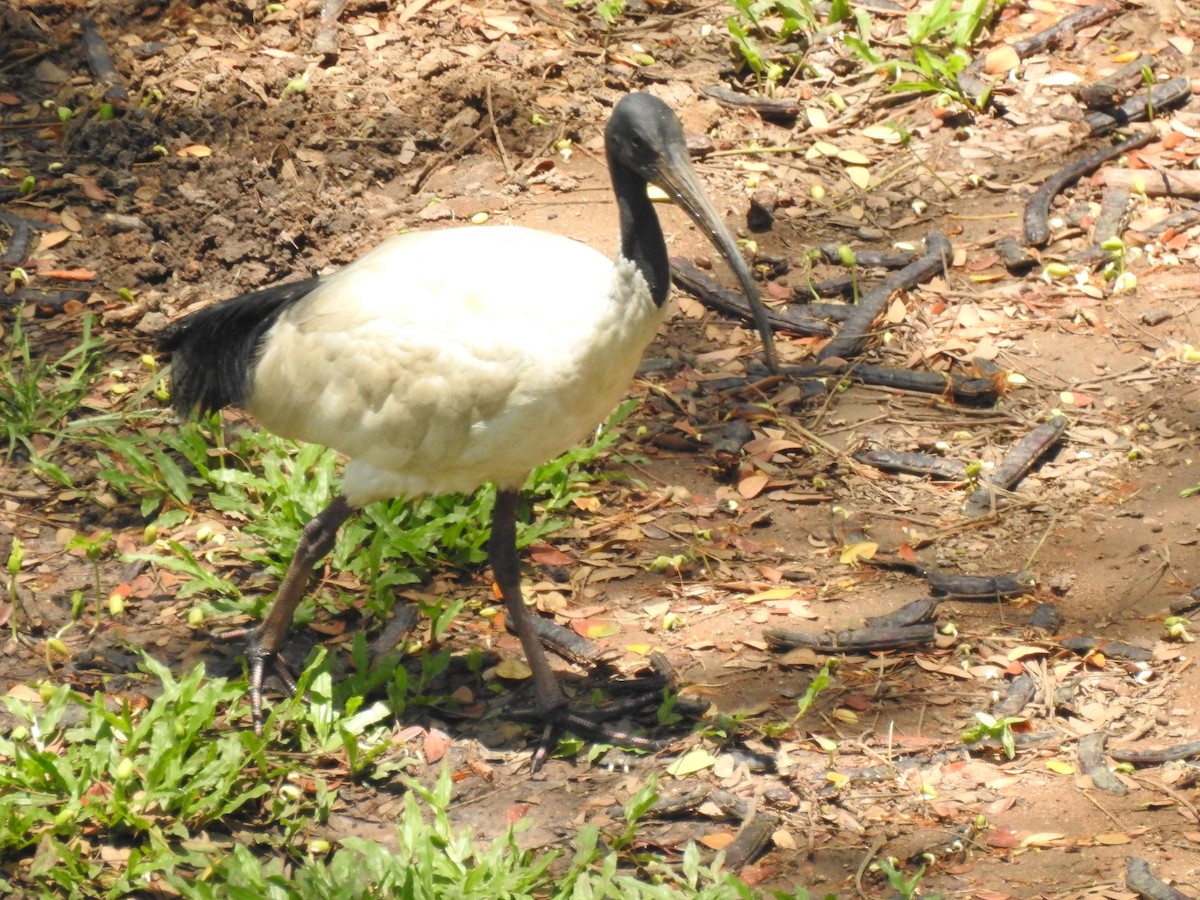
(506, 566)
(268, 638)
(549, 700)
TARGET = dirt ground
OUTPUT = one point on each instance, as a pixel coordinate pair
(435, 112)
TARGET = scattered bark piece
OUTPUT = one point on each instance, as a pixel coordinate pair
(767, 107)
(840, 286)
(1061, 33)
(1186, 603)
(1084, 645)
(1021, 691)
(566, 643)
(1100, 94)
(1016, 464)
(978, 587)
(1143, 882)
(1137, 108)
(1177, 222)
(728, 302)
(918, 612)
(325, 40)
(1014, 256)
(1114, 213)
(857, 328)
(20, 241)
(870, 259)
(751, 840)
(403, 621)
(1158, 755)
(760, 216)
(727, 448)
(1037, 211)
(913, 464)
(854, 640)
(100, 61)
(679, 804)
(1154, 317)
(1046, 617)
(1155, 184)
(962, 390)
(1093, 764)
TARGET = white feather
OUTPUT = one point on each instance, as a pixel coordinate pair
(444, 359)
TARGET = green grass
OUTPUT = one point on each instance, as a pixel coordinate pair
(39, 396)
(154, 787)
(926, 59)
(101, 797)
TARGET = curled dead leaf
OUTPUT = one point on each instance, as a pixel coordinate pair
(1001, 61)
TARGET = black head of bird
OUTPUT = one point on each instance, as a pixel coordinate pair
(445, 359)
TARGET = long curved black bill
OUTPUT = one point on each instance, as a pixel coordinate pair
(675, 175)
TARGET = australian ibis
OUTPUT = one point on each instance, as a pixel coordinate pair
(445, 359)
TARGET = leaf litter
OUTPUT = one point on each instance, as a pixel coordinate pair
(1109, 545)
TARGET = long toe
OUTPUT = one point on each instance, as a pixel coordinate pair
(591, 725)
(259, 659)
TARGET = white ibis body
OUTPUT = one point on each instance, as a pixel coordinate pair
(442, 360)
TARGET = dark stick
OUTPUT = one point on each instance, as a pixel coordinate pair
(1084, 645)
(1017, 462)
(1185, 218)
(909, 463)
(854, 640)
(100, 61)
(870, 259)
(1157, 756)
(973, 85)
(978, 587)
(1138, 107)
(1020, 691)
(771, 108)
(19, 243)
(1037, 210)
(565, 642)
(916, 613)
(1144, 883)
(857, 328)
(1114, 213)
(714, 296)
(1091, 760)
(968, 390)
(325, 40)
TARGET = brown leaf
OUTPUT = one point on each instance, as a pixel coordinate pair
(545, 555)
(435, 745)
(590, 628)
(718, 840)
(92, 190)
(71, 274)
(1001, 60)
(513, 669)
(52, 239)
(751, 486)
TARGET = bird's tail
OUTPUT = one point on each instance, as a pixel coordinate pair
(214, 350)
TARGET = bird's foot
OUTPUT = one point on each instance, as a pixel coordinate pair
(259, 658)
(558, 718)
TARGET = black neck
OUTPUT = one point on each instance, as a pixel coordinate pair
(641, 235)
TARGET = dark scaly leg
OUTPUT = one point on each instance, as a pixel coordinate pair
(269, 636)
(550, 704)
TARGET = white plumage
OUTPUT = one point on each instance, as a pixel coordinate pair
(441, 395)
(442, 360)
